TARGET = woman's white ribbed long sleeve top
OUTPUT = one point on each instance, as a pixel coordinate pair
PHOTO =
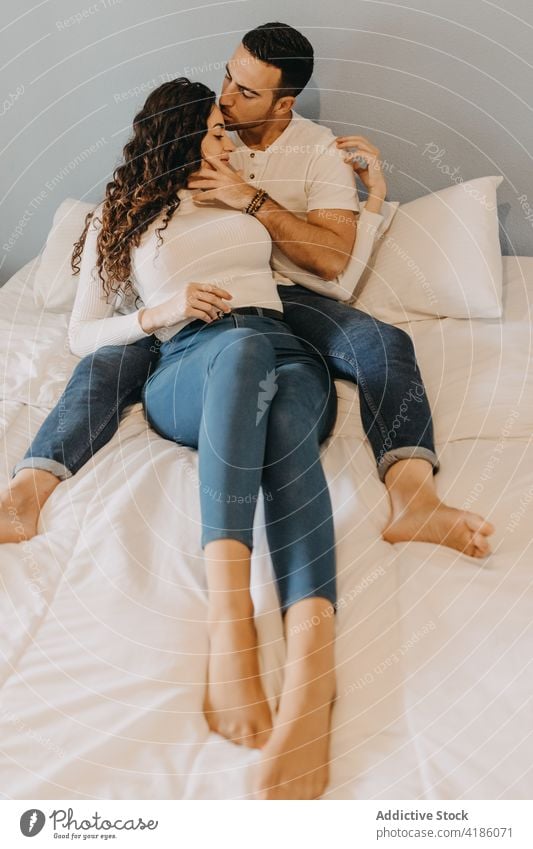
(201, 245)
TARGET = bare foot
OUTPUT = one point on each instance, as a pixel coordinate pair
(430, 520)
(18, 518)
(235, 704)
(294, 762)
(22, 502)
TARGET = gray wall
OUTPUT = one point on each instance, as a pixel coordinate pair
(443, 87)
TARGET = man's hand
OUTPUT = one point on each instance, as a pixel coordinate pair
(371, 176)
(222, 185)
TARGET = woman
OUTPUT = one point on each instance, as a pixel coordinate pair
(235, 383)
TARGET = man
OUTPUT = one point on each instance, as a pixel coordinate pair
(311, 213)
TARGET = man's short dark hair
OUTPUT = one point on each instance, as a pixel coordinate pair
(287, 49)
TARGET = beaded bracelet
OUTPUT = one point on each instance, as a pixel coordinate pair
(257, 201)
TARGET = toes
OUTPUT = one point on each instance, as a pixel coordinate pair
(267, 784)
(315, 788)
(478, 524)
(262, 737)
(244, 737)
(284, 790)
(481, 544)
(477, 547)
(474, 535)
(476, 543)
(464, 540)
(241, 734)
(248, 735)
(296, 789)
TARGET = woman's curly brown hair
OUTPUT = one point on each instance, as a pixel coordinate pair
(163, 151)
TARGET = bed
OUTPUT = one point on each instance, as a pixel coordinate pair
(103, 633)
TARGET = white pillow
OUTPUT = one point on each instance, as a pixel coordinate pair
(55, 286)
(441, 257)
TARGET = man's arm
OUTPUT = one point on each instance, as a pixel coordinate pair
(322, 244)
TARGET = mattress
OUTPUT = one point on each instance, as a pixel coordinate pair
(103, 641)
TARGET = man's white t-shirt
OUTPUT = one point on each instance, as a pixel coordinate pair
(302, 170)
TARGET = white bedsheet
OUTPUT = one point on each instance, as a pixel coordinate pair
(102, 617)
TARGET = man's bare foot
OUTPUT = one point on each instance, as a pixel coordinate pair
(235, 703)
(21, 504)
(418, 514)
(18, 522)
(430, 520)
(295, 761)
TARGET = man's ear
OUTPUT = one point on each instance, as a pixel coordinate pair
(284, 104)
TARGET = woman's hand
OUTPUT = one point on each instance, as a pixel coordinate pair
(197, 300)
(372, 175)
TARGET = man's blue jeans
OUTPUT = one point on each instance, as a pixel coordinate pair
(256, 404)
(378, 356)
(88, 412)
(381, 359)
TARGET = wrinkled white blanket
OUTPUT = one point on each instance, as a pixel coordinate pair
(102, 619)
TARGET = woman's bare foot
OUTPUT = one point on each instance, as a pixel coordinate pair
(22, 502)
(433, 521)
(235, 704)
(418, 514)
(295, 761)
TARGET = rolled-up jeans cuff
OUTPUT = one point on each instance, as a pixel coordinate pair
(406, 453)
(45, 465)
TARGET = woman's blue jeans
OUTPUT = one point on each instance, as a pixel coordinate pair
(256, 403)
